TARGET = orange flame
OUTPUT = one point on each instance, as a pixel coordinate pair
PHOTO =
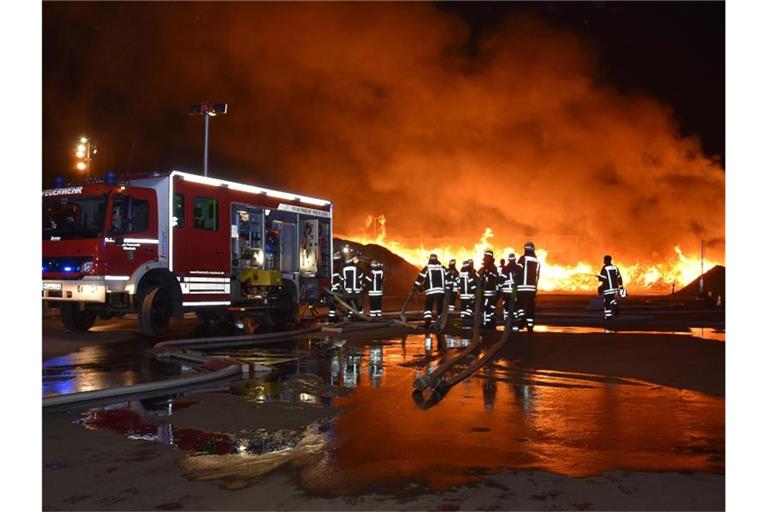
(679, 269)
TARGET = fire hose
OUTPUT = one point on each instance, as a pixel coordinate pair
(233, 341)
(341, 302)
(163, 386)
(432, 378)
(441, 321)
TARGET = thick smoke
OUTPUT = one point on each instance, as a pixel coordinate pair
(383, 108)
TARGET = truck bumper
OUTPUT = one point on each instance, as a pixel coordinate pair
(92, 289)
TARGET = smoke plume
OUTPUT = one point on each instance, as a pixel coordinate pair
(384, 109)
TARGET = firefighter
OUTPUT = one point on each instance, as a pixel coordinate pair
(500, 271)
(526, 288)
(352, 282)
(432, 280)
(335, 287)
(451, 275)
(375, 284)
(466, 284)
(611, 284)
(510, 277)
(489, 283)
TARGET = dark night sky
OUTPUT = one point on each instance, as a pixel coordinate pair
(674, 51)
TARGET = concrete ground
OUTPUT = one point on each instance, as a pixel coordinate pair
(573, 420)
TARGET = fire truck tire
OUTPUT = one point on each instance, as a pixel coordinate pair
(155, 313)
(75, 320)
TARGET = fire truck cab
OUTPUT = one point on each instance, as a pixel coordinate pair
(162, 244)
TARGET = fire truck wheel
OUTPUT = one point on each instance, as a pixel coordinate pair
(75, 320)
(155, 312)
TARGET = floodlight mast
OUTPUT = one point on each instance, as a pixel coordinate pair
(207, 110)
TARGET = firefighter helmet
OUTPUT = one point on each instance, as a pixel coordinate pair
(376, 264)
(529, 247)
(337, 255)
(607, 259)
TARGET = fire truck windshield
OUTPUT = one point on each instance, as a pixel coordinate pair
(73, 217)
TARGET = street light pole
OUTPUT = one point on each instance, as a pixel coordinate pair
(84, 153)
(207, 110)
(205, 144)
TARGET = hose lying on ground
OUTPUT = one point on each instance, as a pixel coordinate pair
(432, 378)
(489, 355)
(232, 341)
(163, 386)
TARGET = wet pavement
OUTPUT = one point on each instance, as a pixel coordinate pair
(504, 416)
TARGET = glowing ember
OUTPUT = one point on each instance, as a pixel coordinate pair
(647, 278)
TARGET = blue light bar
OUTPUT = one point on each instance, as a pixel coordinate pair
(111, 178)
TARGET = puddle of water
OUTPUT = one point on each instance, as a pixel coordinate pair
(705, 333)
(102, 366)
(505, 416)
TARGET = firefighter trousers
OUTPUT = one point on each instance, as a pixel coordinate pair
(451, 301)
(436, 299)
(526, 308)
(467, 310)
(509, 305)
(353, 299)
(489, 309)
(610, 306)
(375, 303)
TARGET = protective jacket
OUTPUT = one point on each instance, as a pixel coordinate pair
(336, 281)
(529, 272)
(451, 276)
(352, 278)
(610, 279)
(466, 283)
(375, 282)
(510, 277)
(489, 280)
(432, 277)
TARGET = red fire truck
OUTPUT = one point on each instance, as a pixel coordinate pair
(162, 244)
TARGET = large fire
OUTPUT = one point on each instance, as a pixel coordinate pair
(405, 109)
(679, 270)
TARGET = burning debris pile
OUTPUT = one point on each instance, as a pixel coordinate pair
(678, 269)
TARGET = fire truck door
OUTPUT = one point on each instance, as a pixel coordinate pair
(288, 245)
(131, 237)
(208, 238)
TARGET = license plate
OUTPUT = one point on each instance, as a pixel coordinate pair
(52, 286)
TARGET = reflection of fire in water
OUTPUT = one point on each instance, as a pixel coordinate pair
(680, 268)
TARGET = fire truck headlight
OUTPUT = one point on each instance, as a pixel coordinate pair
(86, 267)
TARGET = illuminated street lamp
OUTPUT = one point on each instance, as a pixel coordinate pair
(207, 110)
(84, 153)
